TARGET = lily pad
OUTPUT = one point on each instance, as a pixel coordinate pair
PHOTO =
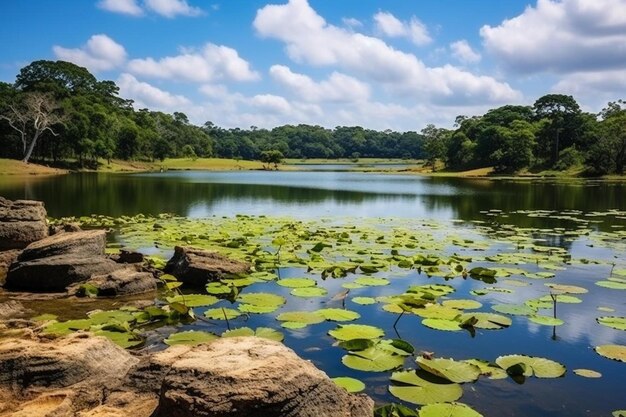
(569, 289)
(66, 327)
(514, 309)
(615, 352)
(443, 324)
(260, 302)
(309, 292)
(613, 322)
(263, 332)
(297, 282)
(305, 317)
(417, 390)
(462, 304)
(190, 338)
(612, 285)
(491, 370)
(587, 373)
(371, 281)
(487, 321)
(222, 313)
(356, 331)
(349, 384)
(450, 369)
(364, 300)
(122, 339)
(193, 300)
(373, 359)
(448, 410)
(546, 320)
(539, 367)
(338, 314)
(562, 298)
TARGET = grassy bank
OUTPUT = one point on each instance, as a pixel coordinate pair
(18, 168)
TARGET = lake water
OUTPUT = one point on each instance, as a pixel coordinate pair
(475, 209)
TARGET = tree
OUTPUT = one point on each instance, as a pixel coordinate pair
(563, 130)
(32, 116)
(272, 157)
(434, 143)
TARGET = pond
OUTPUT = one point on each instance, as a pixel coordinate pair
(387, 242)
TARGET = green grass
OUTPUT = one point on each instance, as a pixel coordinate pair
(19, 168)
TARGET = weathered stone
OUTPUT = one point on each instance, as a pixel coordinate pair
(11, 309)
(127, 257)
(66, 227)
(88, 243)
(126, 281)
(250, 377)
(55, 273)
(197, 267)
(6, 259)
(21, 223)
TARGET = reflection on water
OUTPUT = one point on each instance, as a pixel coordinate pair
(310, 194)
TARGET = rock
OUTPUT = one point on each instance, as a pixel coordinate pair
(55, 273)
(250, 377)
(21, 223)
(66, 227)
(126, 281)
(197, 267)
(6, 259)
(86, 244)
(11, 309)
(127, 257)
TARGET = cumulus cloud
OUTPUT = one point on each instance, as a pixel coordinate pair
(129, 7)
(271, 103)
(213, 62)
(172, 8)
(337, 88)
(391, 26)
(146, 95)
(352, 22)
(310, 39)
(562, 36)
(100, 53)
(462, 51)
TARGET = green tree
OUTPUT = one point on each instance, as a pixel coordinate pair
(272, 157)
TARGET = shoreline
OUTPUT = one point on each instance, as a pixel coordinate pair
(15, 169)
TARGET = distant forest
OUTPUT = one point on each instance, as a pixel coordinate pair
(58, 111)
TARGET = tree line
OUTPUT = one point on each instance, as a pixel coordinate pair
(57, 111)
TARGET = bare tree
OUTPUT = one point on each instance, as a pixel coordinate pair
(31, 117)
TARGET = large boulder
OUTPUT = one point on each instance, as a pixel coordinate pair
(85, 244)
(6, 259)
(197, 267)
(21, 223)
(56, 273)
(250, 377)
(126, 281)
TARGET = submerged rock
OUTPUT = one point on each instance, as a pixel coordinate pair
(126, 281)
(197, 267)
(21, 223)
(250, 377)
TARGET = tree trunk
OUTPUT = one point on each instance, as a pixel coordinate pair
(30, 148)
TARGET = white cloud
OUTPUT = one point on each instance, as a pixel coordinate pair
(172, 8)
(352, 22)
(129, 7)
(391, 26)
(562, 36)
(213, 62)
(462, 51)
(146, 95)
(271, 103)
(100, 53)
(337, 88)
(595, 88)
(310, 39)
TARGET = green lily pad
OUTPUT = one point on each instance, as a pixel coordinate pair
(193, 300)
(462, 304)
(371, 281)
(546, 320)
(615, 352)
(305, 317)
(351, 285)
(613, 322)
(562, 298)
(293, 325)
(373, 359)
(262, 332)
(122, 339)
(364, 300)
(569, 289)
(260, 303)
(448, 410)
(443, 324)
(491, 370)
(217, 288)
(349, 384)
(190, 338)
(437, 311)
(66, 327)
(612, 285)
(297, 282)
(450, 369)
(112, 316)
(487, 321)
(356, 331)
(587, 373)
(338, 314)
(539, 367)
(417, 390)
(222, 313)
(309, 292)
(619, 413)
(514, 309)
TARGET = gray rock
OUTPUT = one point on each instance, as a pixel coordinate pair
(21, 223)
(197, 267)
(6, 259)
(88, 243)
(126, 281)
(250, 377)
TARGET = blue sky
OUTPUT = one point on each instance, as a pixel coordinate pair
(394, 64)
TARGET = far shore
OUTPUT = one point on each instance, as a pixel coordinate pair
(16, 169)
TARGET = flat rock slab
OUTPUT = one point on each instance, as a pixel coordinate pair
(126, 281)
(197, 267)
(250, 377)
(6, 259)
(88, 243)
(21, 223)
(56, 273)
